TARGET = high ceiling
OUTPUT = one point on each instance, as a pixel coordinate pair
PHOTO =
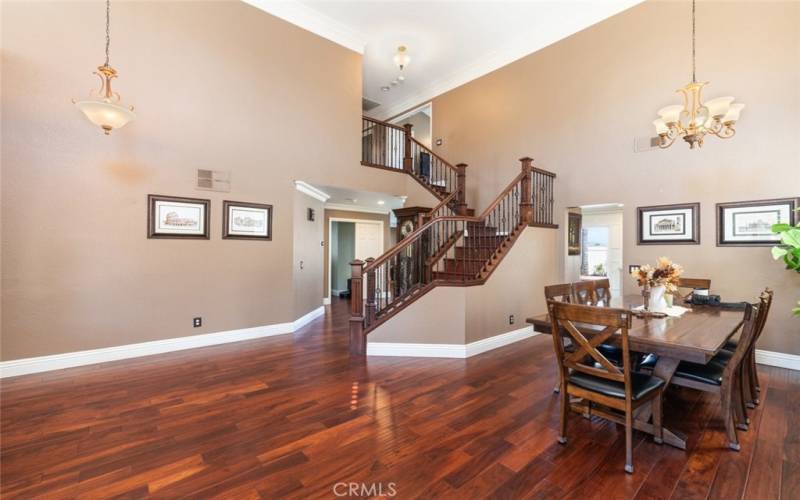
(450, 43)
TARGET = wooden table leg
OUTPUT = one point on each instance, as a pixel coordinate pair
(664, 369)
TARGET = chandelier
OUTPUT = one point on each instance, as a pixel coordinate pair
(694, 119)
(104, 106)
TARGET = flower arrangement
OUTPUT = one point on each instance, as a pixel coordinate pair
(665, 273)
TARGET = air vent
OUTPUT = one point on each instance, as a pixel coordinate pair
(213, 180)
(641, 144)
(367, 104)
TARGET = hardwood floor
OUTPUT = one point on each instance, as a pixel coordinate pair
(290, 416)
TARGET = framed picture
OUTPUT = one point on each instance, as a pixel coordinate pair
(574, 234)
(749, 223)
(246, 221)
(669, 224)
(176, 217)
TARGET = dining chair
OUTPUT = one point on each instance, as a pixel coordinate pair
(600, 381)
(583, 292)
(750, 384)
(563, 293)
(602, 291)
(693, 283)
(723, 375)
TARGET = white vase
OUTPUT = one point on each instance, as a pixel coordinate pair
(658, 303)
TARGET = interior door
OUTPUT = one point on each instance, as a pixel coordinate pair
(369, 240)
(369, 243)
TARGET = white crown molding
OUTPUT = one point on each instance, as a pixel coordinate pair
(357, 208)
(311, 191)
(525, 45)
(449, 350)
(39, 364)
(312, 20)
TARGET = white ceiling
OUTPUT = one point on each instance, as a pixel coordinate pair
(450, 43)
(342, 198)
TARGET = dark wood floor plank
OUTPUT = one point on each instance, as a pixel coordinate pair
(292, 416)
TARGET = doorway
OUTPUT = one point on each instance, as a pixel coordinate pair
(601, 244)
(421, 119)
(350, 239)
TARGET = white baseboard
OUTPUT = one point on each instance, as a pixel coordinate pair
(326, 301)
(27, 366)
(448, 350)
(779, 359)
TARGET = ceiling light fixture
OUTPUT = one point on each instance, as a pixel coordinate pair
(694, 119)
(401, 59)
(104, 107)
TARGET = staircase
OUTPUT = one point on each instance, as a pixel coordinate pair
(451, 245)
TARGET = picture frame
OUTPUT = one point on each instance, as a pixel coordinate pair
(574, 233)
(677, 224)
(246, 221)
(176, 217)
(749, 223)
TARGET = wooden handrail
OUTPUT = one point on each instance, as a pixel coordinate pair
(502, 195)
(429, 151)
(442, 203)
(542, 171)
(379, 122)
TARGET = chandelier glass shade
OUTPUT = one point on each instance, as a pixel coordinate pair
(694, 119)
(401, 59)
(104, 107)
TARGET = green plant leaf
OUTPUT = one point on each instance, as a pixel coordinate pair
(779, 228)
(791, 237)
(778, 252)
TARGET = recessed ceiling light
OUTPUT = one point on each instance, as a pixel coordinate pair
(385, 88)
(401, 78)
(381, 202)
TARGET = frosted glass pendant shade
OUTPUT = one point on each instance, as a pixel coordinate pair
(718, 106)
(671, 114)
(661, 127)
(106, 115)
(733, 113)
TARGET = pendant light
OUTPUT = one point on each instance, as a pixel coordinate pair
(104, 107)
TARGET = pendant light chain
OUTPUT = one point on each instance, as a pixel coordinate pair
(108, 30)
(694, 64)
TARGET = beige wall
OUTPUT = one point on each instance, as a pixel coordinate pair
(217, 85)
(461, 315)
(308, 254)
(577, 106)
(388, 239)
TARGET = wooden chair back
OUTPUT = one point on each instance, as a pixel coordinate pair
(563, 318)
(583, 291)
(602, 291)
(753, 317)
(562, 292)
(693, 283)
(765, 302)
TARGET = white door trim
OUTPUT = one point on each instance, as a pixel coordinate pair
(328, 243)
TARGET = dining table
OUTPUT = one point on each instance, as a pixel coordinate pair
(696, 337)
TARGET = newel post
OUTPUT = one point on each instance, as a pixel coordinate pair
(358, 341)
(408, 160)
(371, 306)
(461, 185)
(526, 202)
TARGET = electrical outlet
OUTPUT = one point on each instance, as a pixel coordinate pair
(197, 322)
(510, 319)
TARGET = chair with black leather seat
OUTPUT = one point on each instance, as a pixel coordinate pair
(563, 293)
(723, 374)
(602, 291)
(601, 382)
(583, 292)
(750, 384)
